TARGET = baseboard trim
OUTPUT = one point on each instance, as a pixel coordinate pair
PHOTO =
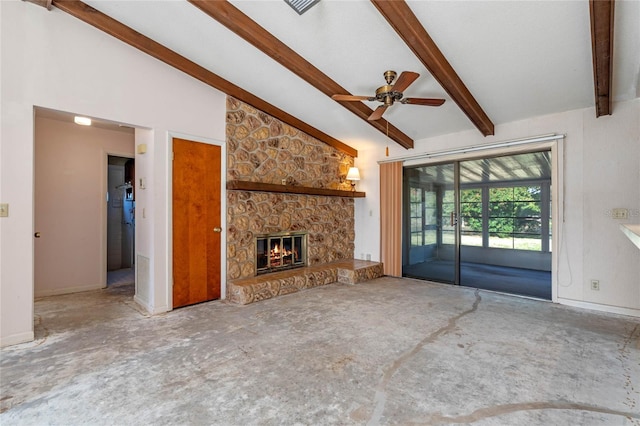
(67, 290)
(17, 339)
(599, 307)
(143, 303)
(160, 310)
(150, 309)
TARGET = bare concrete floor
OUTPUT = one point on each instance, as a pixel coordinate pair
(390, 351)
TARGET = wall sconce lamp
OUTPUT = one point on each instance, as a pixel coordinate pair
(353, 175)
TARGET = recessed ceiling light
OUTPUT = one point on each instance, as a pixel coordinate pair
(83, 121)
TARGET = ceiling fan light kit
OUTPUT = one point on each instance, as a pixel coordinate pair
(391, 93)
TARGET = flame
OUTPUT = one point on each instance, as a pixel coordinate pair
(277, 253)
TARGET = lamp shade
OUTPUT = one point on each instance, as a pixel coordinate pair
(353, 174)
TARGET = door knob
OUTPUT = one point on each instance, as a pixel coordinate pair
(37, 235)
(217, 229)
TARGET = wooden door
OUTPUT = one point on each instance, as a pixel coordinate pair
(196, 222)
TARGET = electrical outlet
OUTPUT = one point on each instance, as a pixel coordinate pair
(4, 210)
(595, 285)
(620, 213)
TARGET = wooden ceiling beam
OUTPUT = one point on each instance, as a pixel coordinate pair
(409, 28)
(602, 16)
(133, 38)
(236, 21)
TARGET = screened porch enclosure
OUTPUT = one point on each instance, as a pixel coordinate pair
(482, 223)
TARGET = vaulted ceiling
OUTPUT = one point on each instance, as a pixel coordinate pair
(492, 61)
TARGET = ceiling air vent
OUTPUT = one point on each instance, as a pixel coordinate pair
(301, 6)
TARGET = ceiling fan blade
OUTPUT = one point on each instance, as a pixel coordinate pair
(377, 114)
(405, 79)
(352, 98)
(422, 101)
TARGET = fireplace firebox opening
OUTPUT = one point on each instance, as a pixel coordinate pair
(277, 252)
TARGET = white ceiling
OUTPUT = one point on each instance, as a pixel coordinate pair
(519, 59)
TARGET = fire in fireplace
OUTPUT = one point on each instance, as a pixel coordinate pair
(275, 252)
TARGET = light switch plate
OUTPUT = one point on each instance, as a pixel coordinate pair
(4, 210)
(141, 148)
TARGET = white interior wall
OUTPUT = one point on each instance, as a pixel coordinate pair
(145, 241)
(53, 60)
(601, 171)
(70, 204)
(367, 209)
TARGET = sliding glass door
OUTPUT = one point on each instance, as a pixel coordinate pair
(483, 223)
(430, 249)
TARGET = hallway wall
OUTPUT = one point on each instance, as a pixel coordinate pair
(70, 204)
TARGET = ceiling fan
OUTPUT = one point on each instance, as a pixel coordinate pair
(390, 93)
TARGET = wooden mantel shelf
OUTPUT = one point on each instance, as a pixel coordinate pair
(243, 185)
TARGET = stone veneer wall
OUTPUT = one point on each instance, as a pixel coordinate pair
(261, 148)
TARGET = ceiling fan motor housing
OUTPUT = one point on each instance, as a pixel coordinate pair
(387, 95)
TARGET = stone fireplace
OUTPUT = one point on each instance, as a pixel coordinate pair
(263, 150)
(280, 251)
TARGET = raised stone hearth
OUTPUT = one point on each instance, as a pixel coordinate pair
(248, 290)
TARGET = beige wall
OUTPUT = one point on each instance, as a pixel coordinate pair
(70, 203)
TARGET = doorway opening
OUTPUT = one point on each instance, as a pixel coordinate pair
(70, 187)
(120, 220)
(482, 223)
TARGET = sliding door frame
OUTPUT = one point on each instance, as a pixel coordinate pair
(553, 144)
